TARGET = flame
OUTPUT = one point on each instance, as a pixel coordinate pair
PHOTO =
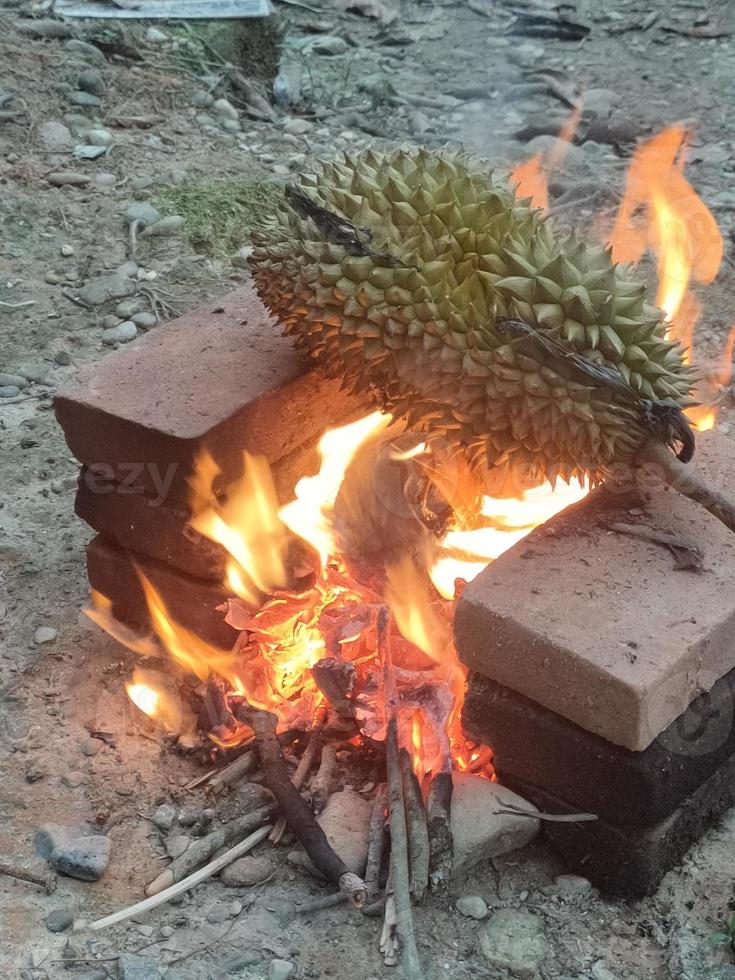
(151, 697)
(144, 697)
(532, 176)
(406, 595)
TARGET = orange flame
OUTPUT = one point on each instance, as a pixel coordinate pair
(532, 176)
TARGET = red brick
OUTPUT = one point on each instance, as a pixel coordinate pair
(222, 377)
(598, 626)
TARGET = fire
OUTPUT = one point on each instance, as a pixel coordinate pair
(532, 176)
(151, 695)
(143, 697)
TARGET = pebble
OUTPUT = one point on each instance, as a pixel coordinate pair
(145, 930)
(99, 137)
(73, 779)
(572, 885)
(154, 36)
(164, 816)
(327, 44)
(45, 634)
(202, 119)
(141, 211)
(92, 80)
(176, 845)
(298, 126)
(126, 309)
(44, 27)
(145, 319)
(166, 226)
(84, 152)
(131, 966)
(9, 391)
(105, 180)
(202, 99)
(553, 148)
(346, 823)
(600, 971)
(17, 380)
(471, 906)
(106, 288)
(225, 109)
(110, 321)
(55, 137)
(479, 832)
(91, 746)
(62, 358)
(87, 52)
(85, 99)
(123, 333)
(281, 970)
(230, 125)
(73, 851)
(52, 278)
(59, 919)
(67, 178)
(35, 372)
(238, 962)
(246, 871)
(600, 101)
(281, 170)
(188, 814)
(165, 932)
(67, 250)
(514, 941)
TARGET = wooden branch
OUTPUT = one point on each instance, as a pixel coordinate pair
(231, 774)
(687, 481)
(302, 771)
(376, 843)
(180, 887)
(296, 810)
(202, 849)
(418, 833)
(398, 907)
(45, 880)
(321, 784)
(441, 843)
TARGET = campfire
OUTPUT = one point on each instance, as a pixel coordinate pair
(343, 597)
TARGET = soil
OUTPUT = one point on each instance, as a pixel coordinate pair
(437, 73)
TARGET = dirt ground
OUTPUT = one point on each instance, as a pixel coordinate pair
(438, 73)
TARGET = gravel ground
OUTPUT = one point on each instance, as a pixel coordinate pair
(435, 73)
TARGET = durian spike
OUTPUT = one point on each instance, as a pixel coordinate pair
(686, 480)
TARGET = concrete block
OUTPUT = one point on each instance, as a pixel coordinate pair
(597, 626)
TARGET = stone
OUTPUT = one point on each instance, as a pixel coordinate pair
(247, 871)
(514, 941)
(9, 391)
(154, 36)
(471, 906)
(84, 152)
(67, 178)
(45, 634)
(44, 27)
(123, 333)
(176, 845)
(52, 278)
(572, 885)
(38, 373)
(600, 101)
(62, 358)
(599, 971)
(51, 835)
(66, 250)
(55, 137)
(189, 815)
(346, 824)
(92, 80)
(107, 288)
(201, 99)
(298, 126)
(327, 44)
(166, 226)
(16, 380)
(479, 832)
(99, 137)
(164, 816)
(133, 966)
(85, 858)
(142, 212)
(246, 389)
(126, 309)
(87, 52)
(238, 961)
(73, 779)
(281, 970)
(225, 109)
(591, 773)
(230, 125)
(85, 99)
(632, 675)
(281, 170)
(144, 319)
(58, 920)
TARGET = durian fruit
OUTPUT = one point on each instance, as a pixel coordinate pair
(398, 273)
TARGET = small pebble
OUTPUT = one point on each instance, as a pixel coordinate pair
(53, 278)
(189, 815)
(166, 226)
(45, 634)
(143, 212)
(59, 919)
(471, 906)
(9, 391)
(63, 358)
(84, 858)
(297, 126)
(99, 137)
(73, 779)
(202, 99)
(67, 250)
(281, 970)
(281, 170)
(230, 125)
(165, 932)
(110, 321)
(144, 319)
(247, 871)
(35, 372)
(125, 310)
(154, 36)
(164, 816)
(145, 930)
(91, 746)
(85, 99)
(16, 380)
(225, 109)
(92, 80)
(123, 333)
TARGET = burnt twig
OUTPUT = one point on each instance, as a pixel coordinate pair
(45, 881)
(321, 785)
(302, 771)
(375, 844)
(418, 833)
(441, 842)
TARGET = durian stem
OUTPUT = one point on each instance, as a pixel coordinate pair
(685, 479)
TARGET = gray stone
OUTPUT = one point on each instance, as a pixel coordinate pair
(189, 815)
(9, 391)
(92, 80)
(49, 836)
(238, 962)
(600, 971)
(84, 152)
(201, 99)
(106, 288)
(73, 779)
(281, 970)
(99, 137)
(247, 871)
(164, 816)
(479, 832)
(230, 125)
(142, 212)
(79, 124)
(471, 906)
(169, 225)
(129, 269)
(202, 119)
(62, 358)
(17, 380)
(85, 99)
(144, 319)
(155, 36)
(176, 845)
(59, 919)
(45, 634)
(126, 309)
(327, 44)
(600, 101)
(131, 966)
(298, 126)
(123, 333)
(225, 109)
(87, 52)
(85, 858)
(35, 372)
(572, 885)
(514, 941)
(43, 27)
(55, 137)
(110, 321)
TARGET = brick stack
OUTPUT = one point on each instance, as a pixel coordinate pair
(604, 679)
(220, 378)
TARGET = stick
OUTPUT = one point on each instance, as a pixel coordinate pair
(418, 833)
(45, 881)
(321, 785)
(232, 773)
(201, 850)
(686, 553)
(687, 481)
(302, 770)
(17, 306)
(398, 914)
(180, 887)
(511, 810)
(325, 902)
(441, 842)
(375, 844)
(297, 812)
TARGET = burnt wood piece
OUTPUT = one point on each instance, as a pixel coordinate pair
(418, 833)
(441, 842)
(637, 789)
(626, 861)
